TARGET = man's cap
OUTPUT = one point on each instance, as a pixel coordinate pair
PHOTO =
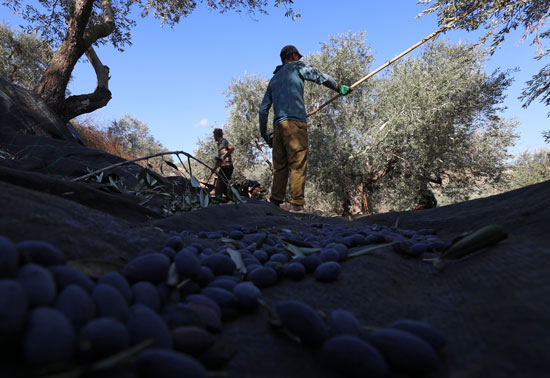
(288, 50)
(218, 132)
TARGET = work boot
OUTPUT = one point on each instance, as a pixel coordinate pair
(275, 202)
(296, 208)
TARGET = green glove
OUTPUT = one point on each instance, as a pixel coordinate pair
(344, 90)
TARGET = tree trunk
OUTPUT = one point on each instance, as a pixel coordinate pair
(78, 40)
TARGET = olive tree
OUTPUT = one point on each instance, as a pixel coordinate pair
(74, 27)
(134, 136)
(438, 125)
(23, 57)
(530, 168)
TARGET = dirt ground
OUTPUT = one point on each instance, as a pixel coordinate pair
(493, 306)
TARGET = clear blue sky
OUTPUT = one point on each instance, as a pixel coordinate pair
(173, 79)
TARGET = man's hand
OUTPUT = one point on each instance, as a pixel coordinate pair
(268, 139)
(344, 90)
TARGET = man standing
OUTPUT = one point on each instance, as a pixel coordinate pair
(224, 162)
(289, 141)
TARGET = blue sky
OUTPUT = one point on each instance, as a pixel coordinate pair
(173, 79)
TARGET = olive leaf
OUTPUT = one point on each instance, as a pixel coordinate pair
(194, 182)
(238, 259)
(366, 250)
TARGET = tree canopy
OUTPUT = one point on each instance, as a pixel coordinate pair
(23, 57)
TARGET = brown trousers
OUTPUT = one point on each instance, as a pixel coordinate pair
(290, 146)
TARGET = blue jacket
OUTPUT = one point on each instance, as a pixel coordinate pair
(286, 92)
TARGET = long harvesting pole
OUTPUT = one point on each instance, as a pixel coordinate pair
(371, 74)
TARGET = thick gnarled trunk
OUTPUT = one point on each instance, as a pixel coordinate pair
(78, 41)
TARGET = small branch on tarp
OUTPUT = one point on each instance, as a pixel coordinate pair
(189, 156)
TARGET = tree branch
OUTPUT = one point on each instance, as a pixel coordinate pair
(104, 29)
(189, 156)
(263, 155)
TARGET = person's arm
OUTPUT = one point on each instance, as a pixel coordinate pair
(229, 148)
(264, 113)
(311, 74)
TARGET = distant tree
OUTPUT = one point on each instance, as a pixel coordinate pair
(75, 26)
(23, 57)
(499, 17)
(134, 137)
(530, 168)
(431, 121)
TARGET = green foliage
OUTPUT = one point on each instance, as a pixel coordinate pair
(49, 18)
(23, 57)
(499, 17)
(530, 168)
(134, 136)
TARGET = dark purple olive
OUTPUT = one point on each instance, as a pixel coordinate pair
(209, 318)
(76, 304)
(303, 321)
(65, 275)
(279, 257)
(404, 351)
(205, 276)
(152, 267)
(119, 282)
(219, 264)
(168, 252)
(204, 300)
(261, 255)
(311, 262)
(295, 271)
(156, 363)
(144, 324)
(192, 340)
(109, 302)
(187, 264)
(9, 258)
(146, 293)
(236, 235)
(188, 288)
(329, 254)
(49, 338)
(423, 330)
(38, 283)
(419, 248)
(355, 240)
(223, 283)
(40, 252)
(353, 357)
(101, 338)
(246, 295)
(263, 277)
(224, 298)
(175, 242)
(328, 271)
(14, 307)
(342, 250)
(344, 322)
(179, 315)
